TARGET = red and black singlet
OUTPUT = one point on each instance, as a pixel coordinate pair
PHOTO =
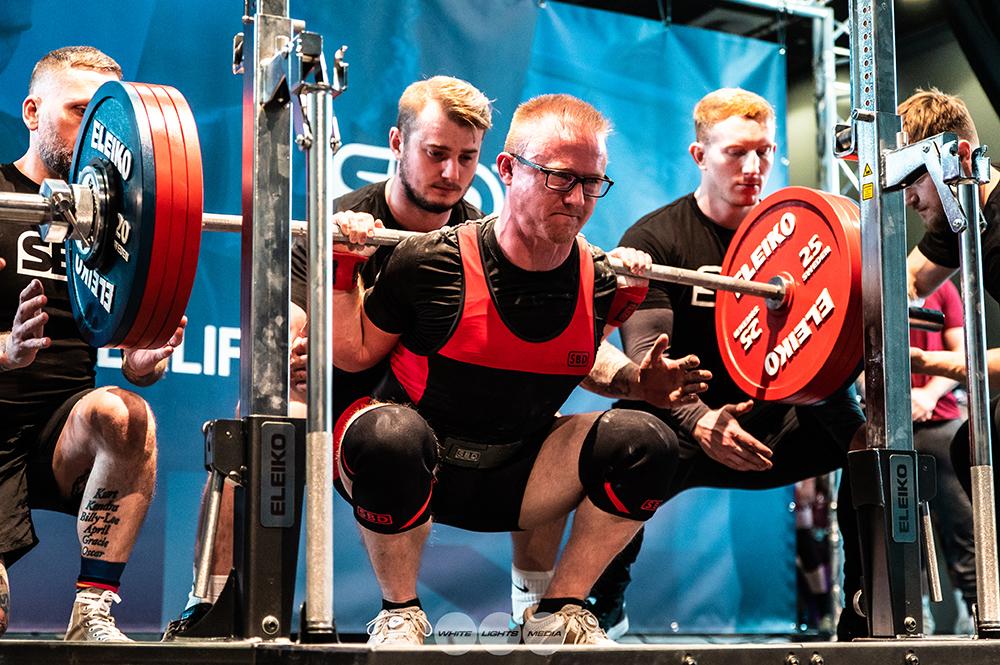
(484, 382)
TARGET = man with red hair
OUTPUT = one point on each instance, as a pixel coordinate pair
(726, 440)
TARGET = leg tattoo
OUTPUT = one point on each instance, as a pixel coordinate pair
(99, 516)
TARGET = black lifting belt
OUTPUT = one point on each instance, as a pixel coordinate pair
(473, 455)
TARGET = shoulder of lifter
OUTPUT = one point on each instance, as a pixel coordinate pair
(433, 246)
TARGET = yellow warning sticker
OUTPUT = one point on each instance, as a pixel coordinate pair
(867, 172)
(867, 191)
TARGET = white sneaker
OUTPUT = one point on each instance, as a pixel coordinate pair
(617, 631)
(570, 625)
(91, 620)
(408, 625)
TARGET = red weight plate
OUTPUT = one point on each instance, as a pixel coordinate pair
(189, 260)
(845, 359)
(794, 353)
(131, 337)
(850, 345)
(855, 339)
(143, 338)
(846, 355)
(167, 306)
(158, 266)
(152, 337)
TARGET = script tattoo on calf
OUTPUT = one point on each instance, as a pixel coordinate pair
(99, 515)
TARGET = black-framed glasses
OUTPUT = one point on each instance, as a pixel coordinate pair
(563, 181)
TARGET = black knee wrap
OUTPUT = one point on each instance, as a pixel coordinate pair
(387, 457)
(626, 463)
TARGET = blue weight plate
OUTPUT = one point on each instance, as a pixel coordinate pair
(106, 295)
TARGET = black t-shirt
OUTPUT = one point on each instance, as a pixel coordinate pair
(350, 386)
(66, 367)
(681, 235)
(419, 295)
(940, 245)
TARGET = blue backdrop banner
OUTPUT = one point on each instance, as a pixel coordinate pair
(700, 569)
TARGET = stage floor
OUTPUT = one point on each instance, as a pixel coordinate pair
(915, 651)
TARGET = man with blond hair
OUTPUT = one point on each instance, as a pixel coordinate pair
(726, 440)
(488, 327)
(436, 144)
(67, 446)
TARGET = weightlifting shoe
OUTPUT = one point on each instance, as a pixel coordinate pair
(572, 624)
(91, 620)
(408, 625)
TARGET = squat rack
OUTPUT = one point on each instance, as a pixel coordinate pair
(264, 580)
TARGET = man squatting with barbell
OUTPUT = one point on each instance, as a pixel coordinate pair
(436, 143)
(835, 423)
(99, 617)
(66, 445)
(488, 327)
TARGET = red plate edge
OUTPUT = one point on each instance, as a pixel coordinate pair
(162, 238)
(193, 224)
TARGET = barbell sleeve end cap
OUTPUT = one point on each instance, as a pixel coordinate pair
(787, 284)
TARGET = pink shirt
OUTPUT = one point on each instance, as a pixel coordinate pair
(947, 300)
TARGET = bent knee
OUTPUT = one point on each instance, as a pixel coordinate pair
(118, 420)
(632, 438)
(387, 460)
(627, 463)
(389, 436)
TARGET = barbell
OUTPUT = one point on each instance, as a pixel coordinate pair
(132, 216)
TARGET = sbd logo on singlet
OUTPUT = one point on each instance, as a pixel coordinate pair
(651, 504)
(578, 359)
